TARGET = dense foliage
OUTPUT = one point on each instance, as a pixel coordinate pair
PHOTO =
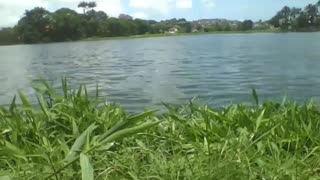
(74, 136)
(39, 25)
(8, 36)
(297, 19)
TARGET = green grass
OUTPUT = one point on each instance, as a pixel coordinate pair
(179, 34)
(72, 135)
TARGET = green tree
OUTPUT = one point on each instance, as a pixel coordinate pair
(312, 12)
(65, 25)
(8, 36)
(87, 6)
(301, 21)
(83, 5)
(142, 26)
(92, 22)
(185, 27)
(294, 13)
(92, 5)
(34, 26)
(246, 25)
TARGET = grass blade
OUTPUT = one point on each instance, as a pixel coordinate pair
(122, 124)
(129, 131)
(78, 144)
(255, 96)
(86, 168)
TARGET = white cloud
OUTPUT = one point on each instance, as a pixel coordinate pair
(209, 3)
(140, 15)
(111, 7)
(11, 11)
(160, 6)
(184, 4)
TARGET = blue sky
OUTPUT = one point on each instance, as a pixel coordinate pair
(11, 11)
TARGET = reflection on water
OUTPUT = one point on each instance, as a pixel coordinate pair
(139, 73)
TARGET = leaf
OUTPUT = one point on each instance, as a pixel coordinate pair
(121, 124)
(24, 100)
(260, 119)
(64, 87)
(13, 150)
(97, 91)
(133, 176)
(86, 168)
(79, 92)
(13, 104)
(43, 106)
(205, 145)
(5, 178)
(129, 131)
(78, 144)
(255, 96)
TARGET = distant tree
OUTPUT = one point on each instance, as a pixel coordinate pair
(294, 13)
(312, 12)
(87, 5)
(302, 21)
(282, 18)
(142, 26)
(125, 16)
(92, 22)
(34, 26)
(318, 4)
(246, 25)
(83, 5)
(66, 25)
(92, 5)
(185, 27)
(8, 36)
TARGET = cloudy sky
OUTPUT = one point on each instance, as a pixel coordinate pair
(12, 10)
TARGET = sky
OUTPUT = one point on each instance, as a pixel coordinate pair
(12, 10)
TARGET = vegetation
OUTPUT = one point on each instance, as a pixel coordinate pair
(297, 19)
(39, 25)
(8, 36)
(71, 135)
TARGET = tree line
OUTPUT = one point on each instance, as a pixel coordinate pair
(40, 25)
(298, 19)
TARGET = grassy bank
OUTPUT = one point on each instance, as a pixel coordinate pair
(72, 136)
(179, 34)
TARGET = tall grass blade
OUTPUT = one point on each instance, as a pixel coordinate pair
(24, 100)
(13, 104)
(255, 96)
(64, 87)
(123, 123)
(79, 143)
(5, 178)
(129, 131)
(86, 168)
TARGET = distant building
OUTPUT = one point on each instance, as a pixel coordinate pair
(195, 30)
(173, 30)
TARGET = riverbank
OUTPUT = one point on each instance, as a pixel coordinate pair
(74, 136)
(166, 35)
(179, 34)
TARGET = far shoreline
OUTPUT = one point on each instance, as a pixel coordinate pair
(276, 31)
(179, 34)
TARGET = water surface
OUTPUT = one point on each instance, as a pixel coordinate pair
(140, 73)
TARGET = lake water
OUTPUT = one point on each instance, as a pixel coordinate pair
(141, 73)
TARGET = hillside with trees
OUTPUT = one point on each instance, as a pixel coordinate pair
(39, 25)
(298, 19)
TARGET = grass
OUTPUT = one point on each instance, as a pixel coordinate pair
(72, 135)
(178, 34)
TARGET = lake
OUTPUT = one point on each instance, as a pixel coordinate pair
(141, 73)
